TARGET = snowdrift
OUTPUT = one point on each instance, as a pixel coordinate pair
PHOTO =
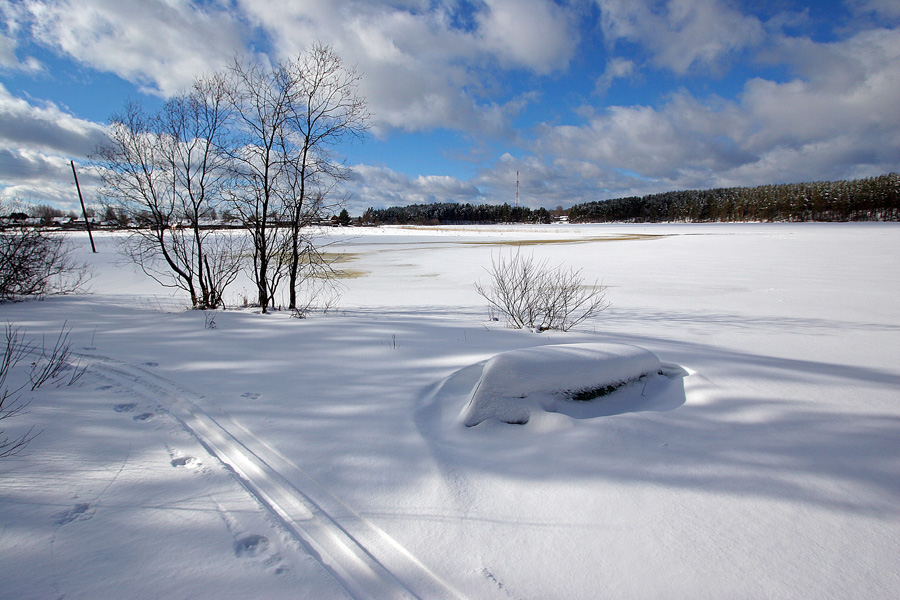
(514, 384)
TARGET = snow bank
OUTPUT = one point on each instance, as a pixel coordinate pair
(516, 383)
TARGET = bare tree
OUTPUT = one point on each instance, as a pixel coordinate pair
(167, 171)
(260, 151)
(536, 295)
(257, 136)
(289, 116)
(325, 110)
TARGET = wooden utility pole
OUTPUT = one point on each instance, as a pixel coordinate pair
(87, 223)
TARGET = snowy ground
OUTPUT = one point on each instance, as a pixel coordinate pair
(273, 457)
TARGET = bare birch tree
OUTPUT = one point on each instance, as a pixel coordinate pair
(289, 117)
(260, 152)
(327, 109)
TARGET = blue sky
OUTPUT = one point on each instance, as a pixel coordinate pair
(586, 99)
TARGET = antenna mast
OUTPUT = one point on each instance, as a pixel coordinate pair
(517, 189)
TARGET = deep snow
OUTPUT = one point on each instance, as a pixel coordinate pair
(518, 385)
(325, 457)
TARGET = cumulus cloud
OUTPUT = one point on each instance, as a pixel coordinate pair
(616, 68)
(681, 35)
(382, 187)
(430, 64)
(11, 16)
(8, 52)
(46, 128)
(882, 8)
(837, 118)
(541, 183)
(840, 119)
(36, 145)
(427, 64)
(35, 177)
(535, 34)
(157, 44)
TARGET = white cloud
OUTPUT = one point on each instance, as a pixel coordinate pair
(841, 119)
(36, 145)
(681, 35)
(848, 88)
(421, 69)
(381, 187)
(541, 184)
(45, 128)
(655, 143)
(8, 52)
(535, 34)
(35, 177)
(160, 45)
(11, 16)
(616, 68)
(882, 8)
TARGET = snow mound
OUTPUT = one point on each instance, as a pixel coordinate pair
(514, 384)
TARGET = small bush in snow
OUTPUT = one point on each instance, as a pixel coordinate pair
(34, 264)
(536, 295)
(48, 364)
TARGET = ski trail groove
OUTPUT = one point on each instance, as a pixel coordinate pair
(363, 558)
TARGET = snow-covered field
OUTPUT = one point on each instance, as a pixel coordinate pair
(272, 457)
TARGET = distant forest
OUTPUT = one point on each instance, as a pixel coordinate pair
(869, 199)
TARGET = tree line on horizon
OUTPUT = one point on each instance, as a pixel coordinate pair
(866, 199)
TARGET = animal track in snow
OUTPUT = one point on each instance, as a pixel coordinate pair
(125, 407)
(490, 577)
(77, 513)
(151, 363)
(251, 545)
(143, 416)
(251, 395)
(362, 558)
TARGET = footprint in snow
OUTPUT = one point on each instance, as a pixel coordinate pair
(490, 577)
(251, 545)
(251, 395)
(124, 407)
(77, 513)
(143, 416)
(188, 462)
(151, 364)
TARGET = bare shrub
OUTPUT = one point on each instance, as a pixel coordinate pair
(536, 295)
(34, 264)
(48, 364)
(11, 404)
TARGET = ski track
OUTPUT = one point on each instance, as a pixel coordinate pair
(364, 559)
